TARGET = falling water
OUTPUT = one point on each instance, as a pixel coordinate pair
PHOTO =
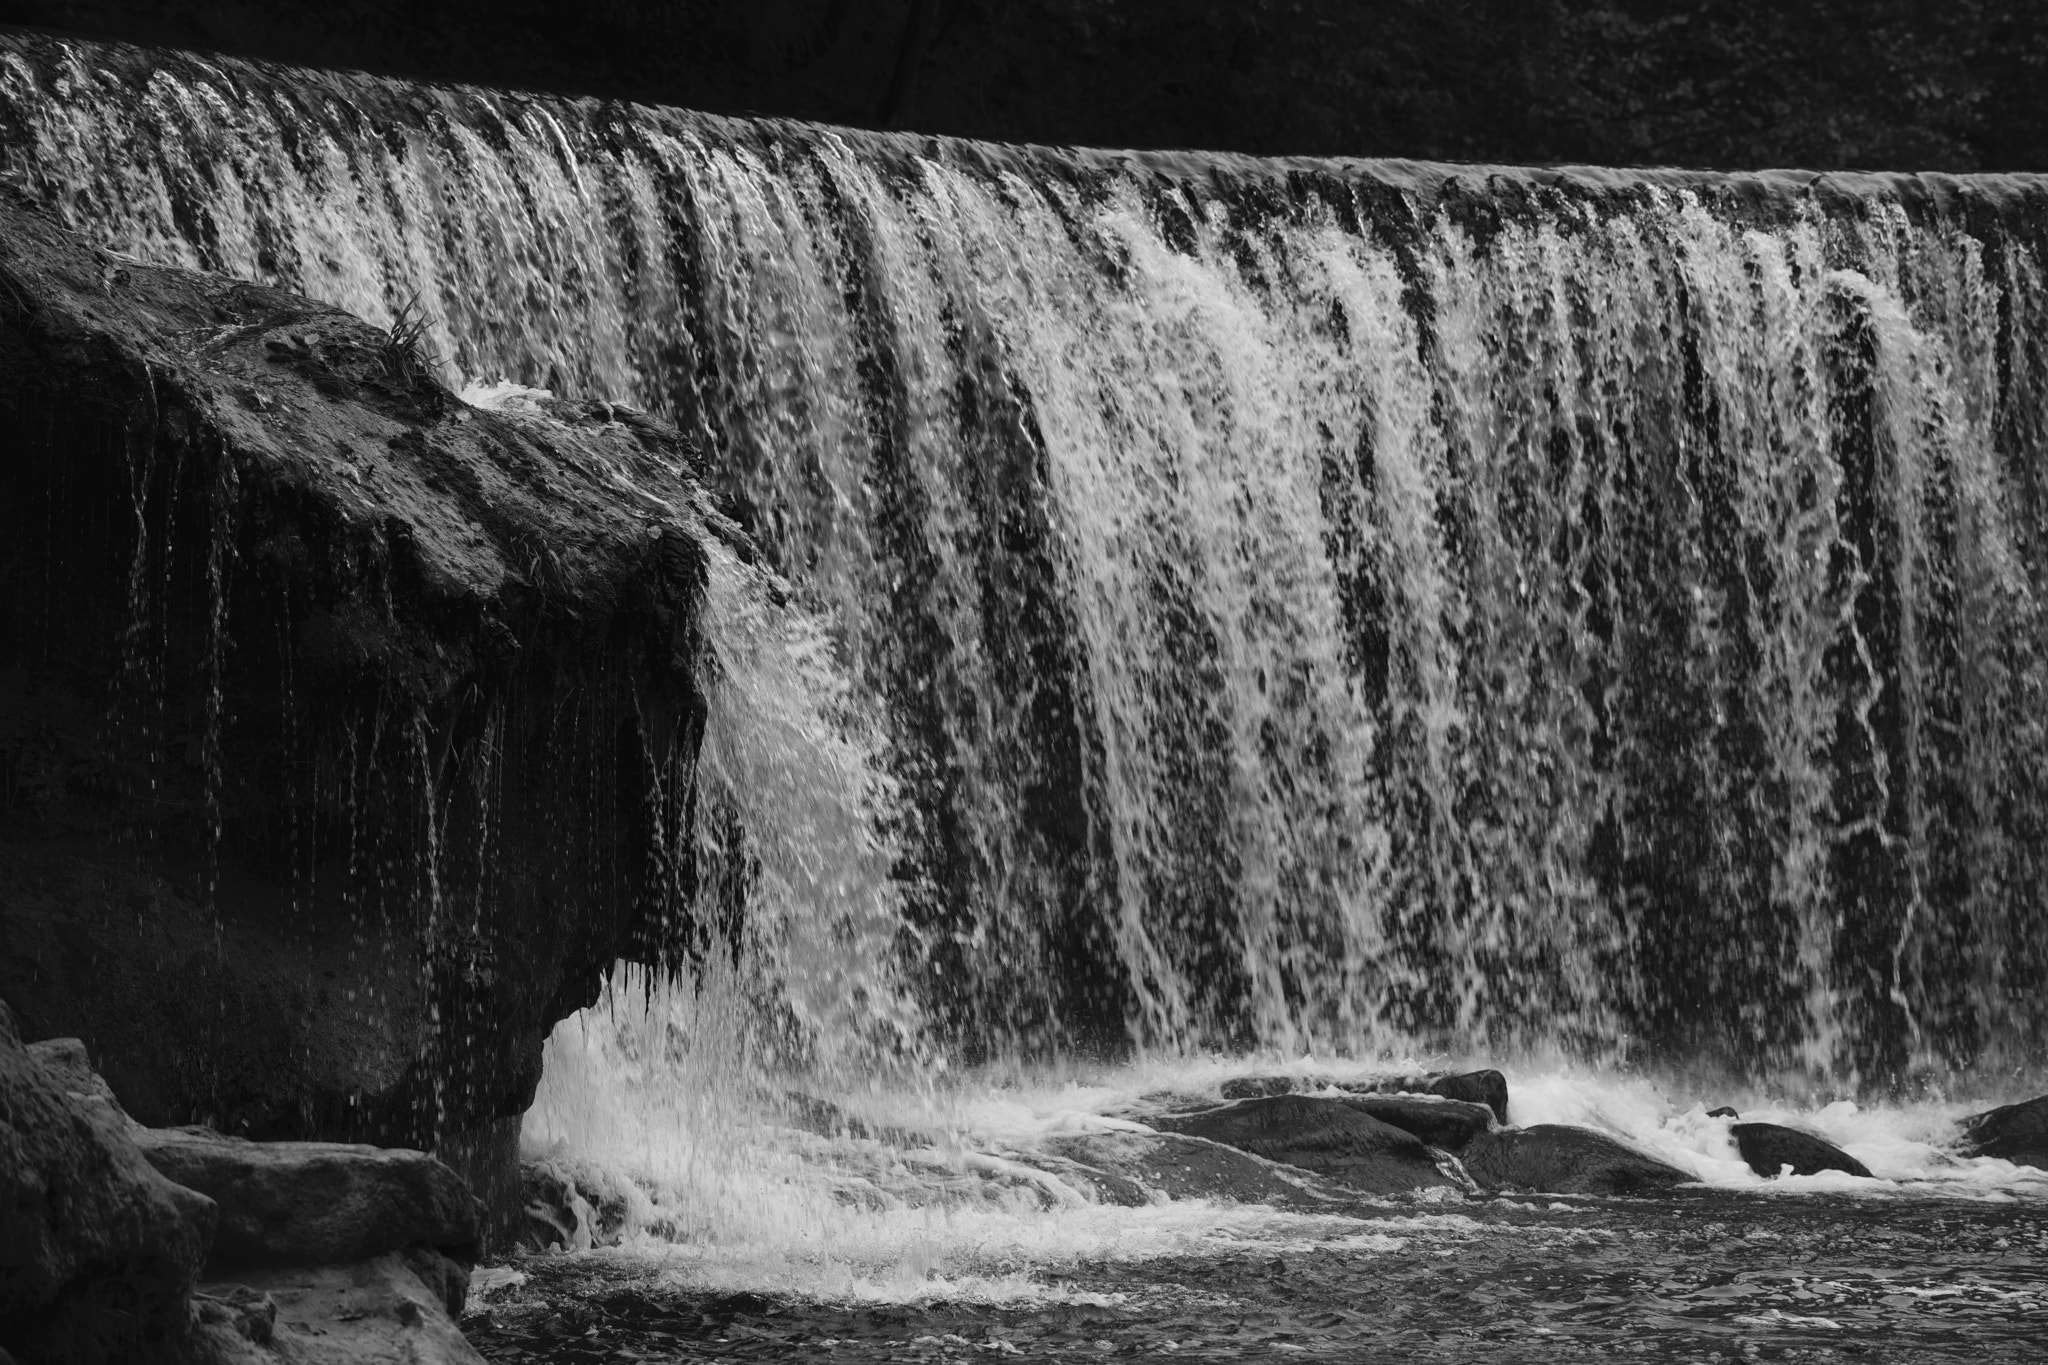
(1296, 605)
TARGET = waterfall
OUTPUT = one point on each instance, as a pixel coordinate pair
(1326, 605)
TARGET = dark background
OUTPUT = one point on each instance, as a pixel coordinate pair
(1952, 85)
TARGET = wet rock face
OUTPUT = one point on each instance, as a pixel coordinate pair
(1557, 1159)
(1325, 1136)
(2015, 1132)
(1135, 1168)
(97, 1250)
(1769, 1148)
(1448, 1124)
(1488, 1088)
(345, 730)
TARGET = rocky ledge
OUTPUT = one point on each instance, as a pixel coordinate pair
(346, 730)
(120, 1243)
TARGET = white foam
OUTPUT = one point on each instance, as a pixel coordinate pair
(931, 1194)
(1907, 1146)
(503, 395)
(937, 1205)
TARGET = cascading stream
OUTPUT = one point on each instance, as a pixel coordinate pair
(1304, 604)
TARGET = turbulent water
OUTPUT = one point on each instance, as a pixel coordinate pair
(930, 1225)
(1302, 604)
(1251, 607)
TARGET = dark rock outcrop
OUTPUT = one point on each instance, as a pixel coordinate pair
(1770, 1147)
(1489, 1088)
(317, 1203)
(2014, 1132)
(97, 1250)
(346, 732)
(1558, 1159)
(1325, 1136)
(326, 1253)
(67, 1063)
(1448, 1124)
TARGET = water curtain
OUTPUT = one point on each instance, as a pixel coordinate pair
(1303, 604)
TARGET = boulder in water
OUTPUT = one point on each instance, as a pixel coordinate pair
(1326, 1136)
(1133, 1166)
(2014, 1132)
(1489, 1088)
(1443, 1123)
(97, 1250)
(1771, 1147)
(1557, 1159)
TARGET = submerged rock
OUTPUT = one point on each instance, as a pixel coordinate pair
(1557, 1159)
(1326, 1136)
(570, 1206)
(1769, 1148)
(403, 695)
(826, 1119)
(2014, 1132)
(97, 1250)
(1096, 1184)
(1136, 1166)
(317, 1203)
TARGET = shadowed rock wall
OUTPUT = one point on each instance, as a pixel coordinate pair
(346, 731)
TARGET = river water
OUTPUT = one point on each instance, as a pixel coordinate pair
(1249, 615)
(1692, 1277)
(919, 1224)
